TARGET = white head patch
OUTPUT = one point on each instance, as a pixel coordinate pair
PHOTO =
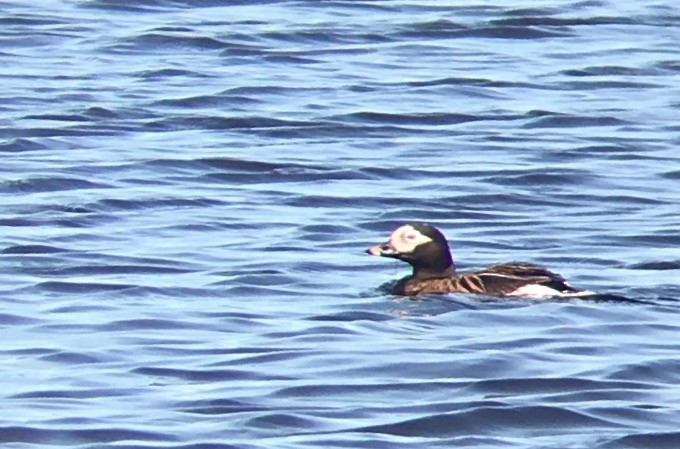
(406, 238)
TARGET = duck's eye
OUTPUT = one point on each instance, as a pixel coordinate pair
(411, 236)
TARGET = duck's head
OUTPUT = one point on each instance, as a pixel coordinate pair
(423, 246)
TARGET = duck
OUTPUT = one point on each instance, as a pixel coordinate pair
(426, 249)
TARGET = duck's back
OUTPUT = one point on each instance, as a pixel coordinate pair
(508, 279)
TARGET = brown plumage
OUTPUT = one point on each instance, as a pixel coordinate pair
(425, 248)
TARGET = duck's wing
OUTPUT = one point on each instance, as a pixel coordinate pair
(520, 269)
(517, 278)
(508, 279)
(499, 282)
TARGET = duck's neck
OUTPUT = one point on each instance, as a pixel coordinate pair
(433, 272)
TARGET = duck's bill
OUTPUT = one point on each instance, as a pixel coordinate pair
(384, 250)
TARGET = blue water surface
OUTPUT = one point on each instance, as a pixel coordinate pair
(188, 188)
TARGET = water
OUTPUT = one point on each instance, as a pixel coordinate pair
(187, 191)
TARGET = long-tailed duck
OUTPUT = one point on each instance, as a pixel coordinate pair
(425, 248)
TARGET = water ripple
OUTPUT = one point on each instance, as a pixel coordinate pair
(189, 187)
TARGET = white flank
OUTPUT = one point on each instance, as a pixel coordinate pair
(542, 292)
